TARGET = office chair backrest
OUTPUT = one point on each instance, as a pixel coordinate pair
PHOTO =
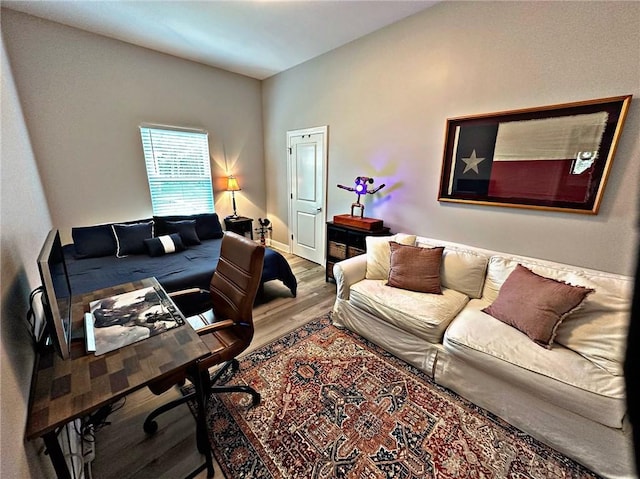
(235, 283)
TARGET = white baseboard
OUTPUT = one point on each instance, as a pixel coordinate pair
(279, 246)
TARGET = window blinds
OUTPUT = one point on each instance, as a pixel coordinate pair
(178, 170)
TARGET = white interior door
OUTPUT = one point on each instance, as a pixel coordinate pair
(307, 182)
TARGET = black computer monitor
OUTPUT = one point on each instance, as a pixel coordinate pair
(56, 298)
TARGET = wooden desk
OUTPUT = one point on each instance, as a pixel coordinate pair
(64, 390)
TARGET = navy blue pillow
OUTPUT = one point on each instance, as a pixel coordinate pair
(161, 223)
(93, 241)
(208, 226)
(161, 245)
(130, 237)
(186, 229)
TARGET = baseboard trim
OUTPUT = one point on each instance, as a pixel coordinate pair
(279, 246)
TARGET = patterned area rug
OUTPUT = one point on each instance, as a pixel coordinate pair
(336, 406)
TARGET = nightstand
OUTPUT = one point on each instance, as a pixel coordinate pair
(239, 224)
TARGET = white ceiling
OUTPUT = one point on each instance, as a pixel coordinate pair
(255, 38)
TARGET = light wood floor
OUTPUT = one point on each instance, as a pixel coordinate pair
(123, 450)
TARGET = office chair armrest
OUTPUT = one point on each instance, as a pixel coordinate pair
(218, 325)
(185, 292)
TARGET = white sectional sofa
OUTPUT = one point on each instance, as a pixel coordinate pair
(570, 396)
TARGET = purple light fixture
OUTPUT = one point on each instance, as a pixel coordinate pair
(361, 189)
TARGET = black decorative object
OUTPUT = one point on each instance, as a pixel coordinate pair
(264, 228)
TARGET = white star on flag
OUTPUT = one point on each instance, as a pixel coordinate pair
(472, 162)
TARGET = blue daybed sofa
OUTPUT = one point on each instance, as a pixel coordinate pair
(115, 253)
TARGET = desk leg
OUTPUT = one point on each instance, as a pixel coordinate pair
(56, 455)
(202, 437)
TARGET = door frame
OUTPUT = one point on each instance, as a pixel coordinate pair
(324, 130)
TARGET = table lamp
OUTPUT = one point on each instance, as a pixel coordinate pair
(233, 186)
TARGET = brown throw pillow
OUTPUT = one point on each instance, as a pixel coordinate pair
(415, 268)
(535, 305)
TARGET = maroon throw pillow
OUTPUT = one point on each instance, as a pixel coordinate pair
(415, 268)
(536, 305)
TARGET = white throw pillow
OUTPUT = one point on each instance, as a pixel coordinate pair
(500, 267)
(379, 253)
(462, 270)
(598, 331)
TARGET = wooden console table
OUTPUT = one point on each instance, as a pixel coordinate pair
(64, 390)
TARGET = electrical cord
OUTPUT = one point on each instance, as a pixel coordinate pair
(86, 431)
(99, 419)
(89, 425)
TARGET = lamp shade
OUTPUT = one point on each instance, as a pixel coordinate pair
(232, 184)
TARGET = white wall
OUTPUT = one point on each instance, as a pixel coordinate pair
(83, 97)
(25, 223)
(71, 155)
(386, 98)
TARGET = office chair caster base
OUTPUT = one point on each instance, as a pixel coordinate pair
(224, 374)
(150, 427)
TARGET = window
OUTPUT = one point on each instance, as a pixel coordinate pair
(178, 170)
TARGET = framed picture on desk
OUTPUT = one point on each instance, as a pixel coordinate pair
(130, 317)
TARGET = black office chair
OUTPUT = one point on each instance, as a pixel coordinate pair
(229, 330)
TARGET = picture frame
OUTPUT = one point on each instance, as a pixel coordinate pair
(555, 157)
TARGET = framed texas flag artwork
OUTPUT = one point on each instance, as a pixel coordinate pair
(555, 157)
